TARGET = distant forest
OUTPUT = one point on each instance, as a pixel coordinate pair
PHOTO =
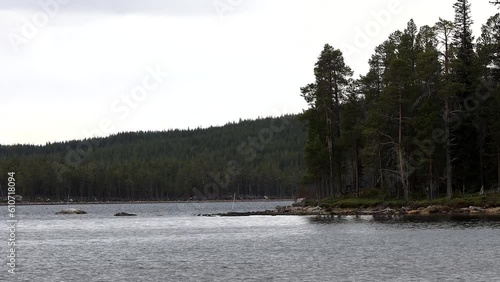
(424, 122)
(252, 159)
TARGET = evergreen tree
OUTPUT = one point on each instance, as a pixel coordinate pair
(425, 160)
(489, 57)
(447, 92)
(467, 136)
(325, 96)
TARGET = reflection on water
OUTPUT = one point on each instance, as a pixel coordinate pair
(444, 221)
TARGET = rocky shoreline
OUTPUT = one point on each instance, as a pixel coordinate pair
(423, 211)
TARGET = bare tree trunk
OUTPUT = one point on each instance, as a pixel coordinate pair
(339, 176)
(319, 187)
(330, 153)
(482, 137)
(330, 180)
(326, 185)
(356, 169)
(336, 128)
(481, 169)
(380, 170)
(402, 172)
(449, 168)
(431, 182)
(447, 29)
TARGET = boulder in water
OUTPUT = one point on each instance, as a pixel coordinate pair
(71, 211)
(125, 214)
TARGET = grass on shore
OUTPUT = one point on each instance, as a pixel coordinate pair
(459, 201)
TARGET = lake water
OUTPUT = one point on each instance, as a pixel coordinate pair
(166, 242)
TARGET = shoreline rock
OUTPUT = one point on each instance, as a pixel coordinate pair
(125, 214)
(382, 211)
(71, 211)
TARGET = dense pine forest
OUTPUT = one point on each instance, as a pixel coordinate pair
(252, 159)
(424, 121)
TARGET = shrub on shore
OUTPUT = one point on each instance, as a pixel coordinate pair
(459, 201)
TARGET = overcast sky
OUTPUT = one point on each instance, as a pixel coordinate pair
(72, 69)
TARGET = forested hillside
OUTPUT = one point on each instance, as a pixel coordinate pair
(425, 119)
(252, 158)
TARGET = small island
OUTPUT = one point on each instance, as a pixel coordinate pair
(466, 205)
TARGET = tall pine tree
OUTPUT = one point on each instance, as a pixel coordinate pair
(325, 96)
(466, 136)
